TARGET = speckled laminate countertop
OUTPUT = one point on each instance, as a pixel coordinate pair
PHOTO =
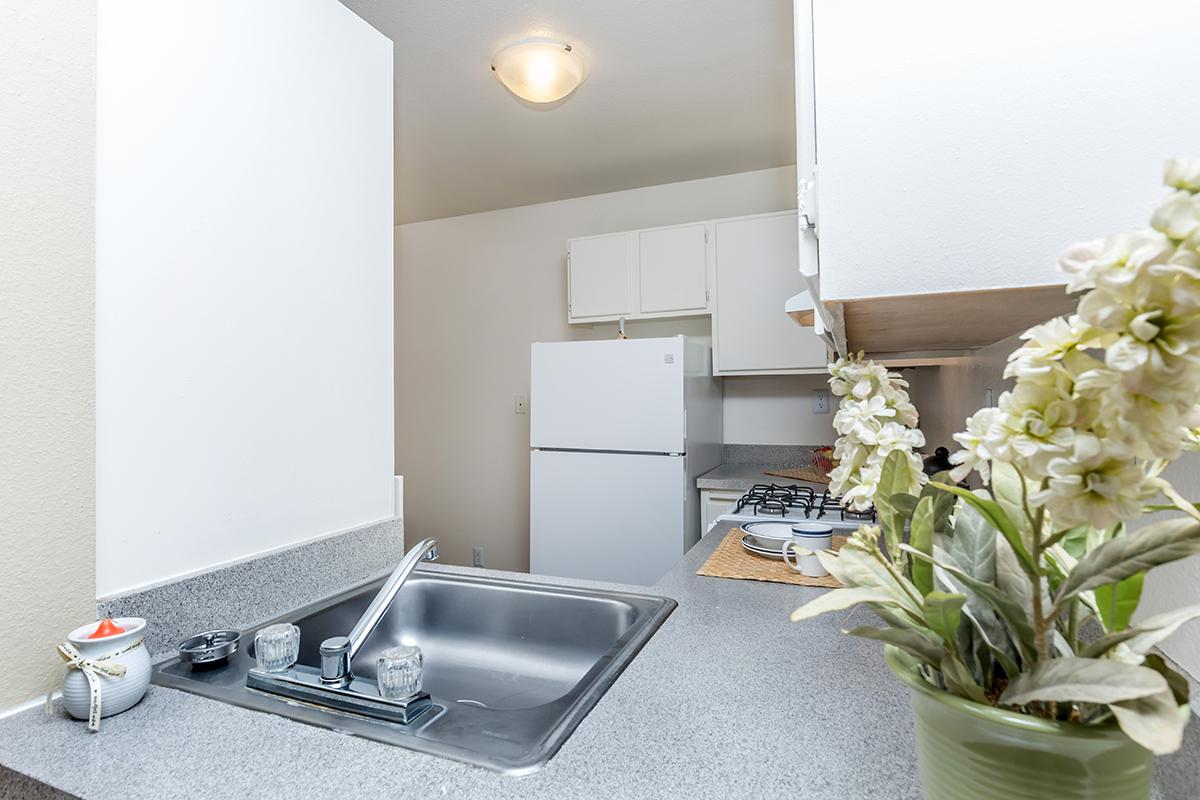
(740, 477)
(728, 699)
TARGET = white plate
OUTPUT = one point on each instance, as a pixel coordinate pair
(770, 529)
(761, 551)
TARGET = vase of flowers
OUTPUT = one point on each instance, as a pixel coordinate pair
(1009, 609)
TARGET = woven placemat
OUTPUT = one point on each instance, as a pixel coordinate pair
(811, 474)
(731, 560)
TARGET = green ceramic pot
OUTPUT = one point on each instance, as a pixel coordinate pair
(969, 750)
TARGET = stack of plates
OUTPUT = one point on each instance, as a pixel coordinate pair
(767, 538)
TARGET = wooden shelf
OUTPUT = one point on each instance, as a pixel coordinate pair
(924, 328)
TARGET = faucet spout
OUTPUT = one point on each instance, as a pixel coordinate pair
(338, 652)
(424, 551)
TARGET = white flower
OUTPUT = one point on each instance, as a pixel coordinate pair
(1046, 345)
(1153, 331)
(1183, 173)
(1035, 425)
(1117, 261)
(875, 418)
(1178, 216)
(893, 436)
(861, 416)
(975, 454)
(1094, 485)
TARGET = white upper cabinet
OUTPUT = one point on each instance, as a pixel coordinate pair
(657, 272)
(673, 269)
(964, 146)
(757, 261)
(599, 273)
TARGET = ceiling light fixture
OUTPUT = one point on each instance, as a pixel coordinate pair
(539, 70)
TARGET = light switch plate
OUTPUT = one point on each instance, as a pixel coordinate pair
(521, 404)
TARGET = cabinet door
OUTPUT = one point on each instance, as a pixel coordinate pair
(757, 270)
(599, 270)
(715, 503)
(673, 272)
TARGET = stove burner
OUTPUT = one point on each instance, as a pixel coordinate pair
(770, 499)
(834, 503)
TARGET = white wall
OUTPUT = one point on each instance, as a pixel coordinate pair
(244, 281)
(776, 409)
(47, 342)
(965, 145)
(472, 293)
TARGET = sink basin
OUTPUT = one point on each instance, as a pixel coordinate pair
(512, 667)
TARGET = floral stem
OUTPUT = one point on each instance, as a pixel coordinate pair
(916, 597)
(1180, 502)
(1040, 622)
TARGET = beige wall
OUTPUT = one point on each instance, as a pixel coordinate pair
(472, 293)
(47, 341)
(946, 395)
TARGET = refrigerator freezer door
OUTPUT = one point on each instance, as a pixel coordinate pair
(605, 516)
(614, 395)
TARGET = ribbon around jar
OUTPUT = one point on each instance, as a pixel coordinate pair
(91, 668)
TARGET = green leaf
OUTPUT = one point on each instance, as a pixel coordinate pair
(943, 612)
(921, 538)
(839, 600)
(1156, 721)
(990, 632)
(1082, 680)
(904, 502)
(1011, 578)
(1075, 541)
(868, 570)
(973, 546)
(893, 480)
(996, 517)
(1118, 559)
(1014, 616)
(943, 502)
(909, 641)
(1180, 687)
(1007, 491)
(1146, 634)
(959, 680)
(1116, 602)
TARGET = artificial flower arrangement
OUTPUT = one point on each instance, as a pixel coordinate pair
(1021, 595)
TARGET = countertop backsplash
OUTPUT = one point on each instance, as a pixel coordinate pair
(254, 590)
(774, 455)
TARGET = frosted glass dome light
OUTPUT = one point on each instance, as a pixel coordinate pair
(539, 70)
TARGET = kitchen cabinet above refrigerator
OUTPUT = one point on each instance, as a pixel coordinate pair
(734, 270)
(646, 274)
(951, 180)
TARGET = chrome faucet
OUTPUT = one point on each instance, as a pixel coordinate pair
(338, 652)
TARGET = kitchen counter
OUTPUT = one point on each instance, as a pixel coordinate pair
(740, 477)
(728, 699)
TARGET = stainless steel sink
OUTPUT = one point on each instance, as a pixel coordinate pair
(512, 667)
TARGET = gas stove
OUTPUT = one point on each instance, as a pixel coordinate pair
(795, 504)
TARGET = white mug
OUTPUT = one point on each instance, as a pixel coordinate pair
(806, 562)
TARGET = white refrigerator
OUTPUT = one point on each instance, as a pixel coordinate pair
(619, 431)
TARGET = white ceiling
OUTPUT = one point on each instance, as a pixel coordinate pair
(678, 89)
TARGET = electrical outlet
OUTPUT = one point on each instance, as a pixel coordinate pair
(521, 404)
(820, 402)
(477, 556)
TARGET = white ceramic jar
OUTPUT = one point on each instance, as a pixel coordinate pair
(116, 694)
